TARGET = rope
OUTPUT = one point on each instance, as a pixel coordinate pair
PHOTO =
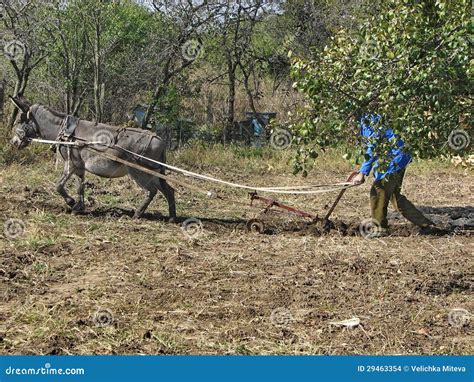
(59, 143)
(147, 170)
(275, 190)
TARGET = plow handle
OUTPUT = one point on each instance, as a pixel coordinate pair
(349, 178)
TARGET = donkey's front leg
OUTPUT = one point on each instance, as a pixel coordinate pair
(67, 172)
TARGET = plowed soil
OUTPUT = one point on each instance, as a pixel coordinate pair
(103, 283)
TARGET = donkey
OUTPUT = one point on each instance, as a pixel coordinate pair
(37, 121)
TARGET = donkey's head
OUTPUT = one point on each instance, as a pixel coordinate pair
(25, 127)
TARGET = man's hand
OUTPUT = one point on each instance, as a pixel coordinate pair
(358, 179)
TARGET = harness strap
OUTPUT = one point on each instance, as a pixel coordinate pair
(70, 125)
(66, 134)
(67, 128)
(151, 136)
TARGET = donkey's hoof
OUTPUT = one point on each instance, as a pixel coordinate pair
(78, 208)
(172, 220)
(71, 202)
(137, 216)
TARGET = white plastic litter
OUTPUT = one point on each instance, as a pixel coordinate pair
(351, 323)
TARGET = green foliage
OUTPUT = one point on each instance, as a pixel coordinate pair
(410, 63)
(168, 108)
(10, 154)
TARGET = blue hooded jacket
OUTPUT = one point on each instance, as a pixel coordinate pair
(398, 158)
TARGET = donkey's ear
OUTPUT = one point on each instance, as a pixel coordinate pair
(20, 103)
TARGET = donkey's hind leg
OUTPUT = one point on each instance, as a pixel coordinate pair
(146, 182)
(67, 172)
(149, 197)
(168, 192)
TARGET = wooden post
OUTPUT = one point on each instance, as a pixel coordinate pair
(1, 98)
(3, 129)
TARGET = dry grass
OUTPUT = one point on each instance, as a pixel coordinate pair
(226, 290)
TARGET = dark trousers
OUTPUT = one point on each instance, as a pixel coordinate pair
(389, 190)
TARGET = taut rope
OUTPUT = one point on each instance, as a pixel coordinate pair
(295, 190)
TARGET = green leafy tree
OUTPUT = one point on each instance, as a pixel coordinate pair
(410, 63)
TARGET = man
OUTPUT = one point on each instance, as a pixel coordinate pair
(388, 182)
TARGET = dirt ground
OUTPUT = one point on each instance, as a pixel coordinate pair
(103, 283)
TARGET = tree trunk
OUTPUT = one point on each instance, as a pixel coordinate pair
(249, 92)
(229, 125)
(97, 74)
(209, 104)
(20, 86)
(160, 91)
(1, 98)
